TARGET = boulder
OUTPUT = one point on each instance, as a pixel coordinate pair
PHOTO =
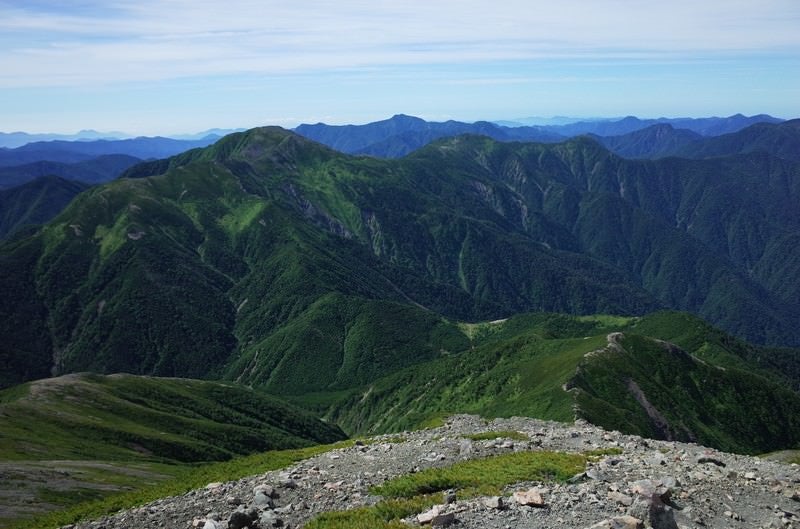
(531, 497)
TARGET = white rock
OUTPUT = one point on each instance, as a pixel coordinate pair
(531, 497)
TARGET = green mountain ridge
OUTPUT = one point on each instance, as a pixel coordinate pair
(287, 246)
(618, 373)
(126, 417)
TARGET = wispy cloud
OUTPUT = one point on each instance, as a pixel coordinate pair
(149, 40)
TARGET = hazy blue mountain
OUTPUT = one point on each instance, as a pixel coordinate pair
(778, 139)
(713, 126)
(401, 134)
(36, 202)
(78, 151)
(655, 141)
(542, 121)
(210, 133)
(781, 140)
(93, 171)
(17, 139)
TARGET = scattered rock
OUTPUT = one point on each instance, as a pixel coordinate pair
(239, 520)
(266, 490)
(262, 501)
(269, 519)
(619, 522)
(234, 500)
(493, 502)
(443, 519)
(531, 497)
(708, 459)
(622, 499)
(427, 517)
(655, 484)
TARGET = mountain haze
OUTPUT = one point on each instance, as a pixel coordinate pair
(401, 134)
(781, 140)
(77, 151)
(91, 171)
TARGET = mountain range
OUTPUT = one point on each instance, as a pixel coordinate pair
(554, 280)
(781, 140)
(275, 235)
(91, 171)
(12, 140)
(710, 126)
(401, 134)
(78, 151)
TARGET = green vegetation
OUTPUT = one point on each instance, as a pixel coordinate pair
(124, 417)
(414, 493)
(654, 389)
(486, 476)
(714, 391)
(343, 285)
(187, 479)
(599, 453)
(386, 514)
(90, 436)
(339, 282)
(35, 202)
(290, 247)
(519, 370)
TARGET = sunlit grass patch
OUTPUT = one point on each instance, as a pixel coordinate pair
(486, 476)
(385, 515)
(414, 493)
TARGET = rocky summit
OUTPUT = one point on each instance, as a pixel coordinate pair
(628, 482)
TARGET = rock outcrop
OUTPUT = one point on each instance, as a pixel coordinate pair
(649, 484)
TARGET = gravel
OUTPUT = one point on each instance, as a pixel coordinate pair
(658, 484)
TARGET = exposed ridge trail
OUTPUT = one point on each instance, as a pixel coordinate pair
(665, 484)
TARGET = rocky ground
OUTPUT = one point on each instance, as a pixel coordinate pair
(655, 484)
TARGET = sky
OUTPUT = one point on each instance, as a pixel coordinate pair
(179, 66)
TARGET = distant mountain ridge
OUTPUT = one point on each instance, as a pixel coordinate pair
(12, 140)
(402, 134)
(93, 170)
(76, 151)
(713, 126)
(657, 141)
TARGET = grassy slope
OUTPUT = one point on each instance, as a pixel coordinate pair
(183, 480)
(691, 400)
(80, 437)
(720, 396)
(124, 417)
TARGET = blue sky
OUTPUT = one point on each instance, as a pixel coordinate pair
(170, 66)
